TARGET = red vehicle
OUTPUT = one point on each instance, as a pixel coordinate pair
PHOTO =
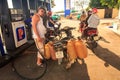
(91, 37)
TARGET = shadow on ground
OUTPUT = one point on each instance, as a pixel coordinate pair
(108, 56)
(58, 72)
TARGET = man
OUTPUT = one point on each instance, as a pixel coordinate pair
(93, 22)
(39, 31)
(29, 26)
(89, 13)
(29, 20)
(50, 20)
(82, 21)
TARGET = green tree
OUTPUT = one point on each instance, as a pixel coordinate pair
(96, 3)
(111, 3)
(80, 4)
(52, 3)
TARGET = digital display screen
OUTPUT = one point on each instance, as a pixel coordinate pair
(16, 14)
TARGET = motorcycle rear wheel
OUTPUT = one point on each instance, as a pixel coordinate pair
(92, 44)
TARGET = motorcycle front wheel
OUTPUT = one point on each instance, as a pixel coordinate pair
(25, 66)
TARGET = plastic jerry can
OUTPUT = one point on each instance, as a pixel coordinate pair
(71, 50)
(81, 49)
(47, 51)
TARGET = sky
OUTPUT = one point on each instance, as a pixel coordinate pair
(10, 3)
(59, 5)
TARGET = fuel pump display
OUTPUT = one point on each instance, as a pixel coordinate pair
(16, 14)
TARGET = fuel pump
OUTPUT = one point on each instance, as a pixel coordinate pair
(2, 50)
(13, 27)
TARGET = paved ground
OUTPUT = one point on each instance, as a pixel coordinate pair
(104, 64)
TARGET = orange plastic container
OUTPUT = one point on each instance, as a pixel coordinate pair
(52, 51)
(47, 51)
(81, 49)
(71, 50)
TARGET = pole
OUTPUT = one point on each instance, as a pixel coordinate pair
(28, 4)
(119, 13)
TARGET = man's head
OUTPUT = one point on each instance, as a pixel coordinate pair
(83, 12)
(94, 10)
(89, 12)
(49, 13)
(41, 11)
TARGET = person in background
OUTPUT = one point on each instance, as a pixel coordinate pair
(83, 16)
(50, 20)
(45, 19)
(82, 21)
(89, 13)
(29, 20)
(93, 22)
(29, 26)
(39, 31)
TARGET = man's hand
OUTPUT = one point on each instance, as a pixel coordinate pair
(39, 39)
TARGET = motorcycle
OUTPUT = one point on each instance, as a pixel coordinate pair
(60, 46)
(53, 32)
(92, 39)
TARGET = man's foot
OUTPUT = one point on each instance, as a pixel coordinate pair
(81, 61)
(70, 63)
(40, 65)
(39, 62)
(68, 66)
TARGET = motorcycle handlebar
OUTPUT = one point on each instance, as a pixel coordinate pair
(68, 28)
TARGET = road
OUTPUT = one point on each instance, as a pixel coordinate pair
(104, 64)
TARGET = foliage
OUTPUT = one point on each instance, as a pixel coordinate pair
(88, 8)
(96, 3)
(104, 3)
(110, 3)
(81, 3)
(52, 3)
